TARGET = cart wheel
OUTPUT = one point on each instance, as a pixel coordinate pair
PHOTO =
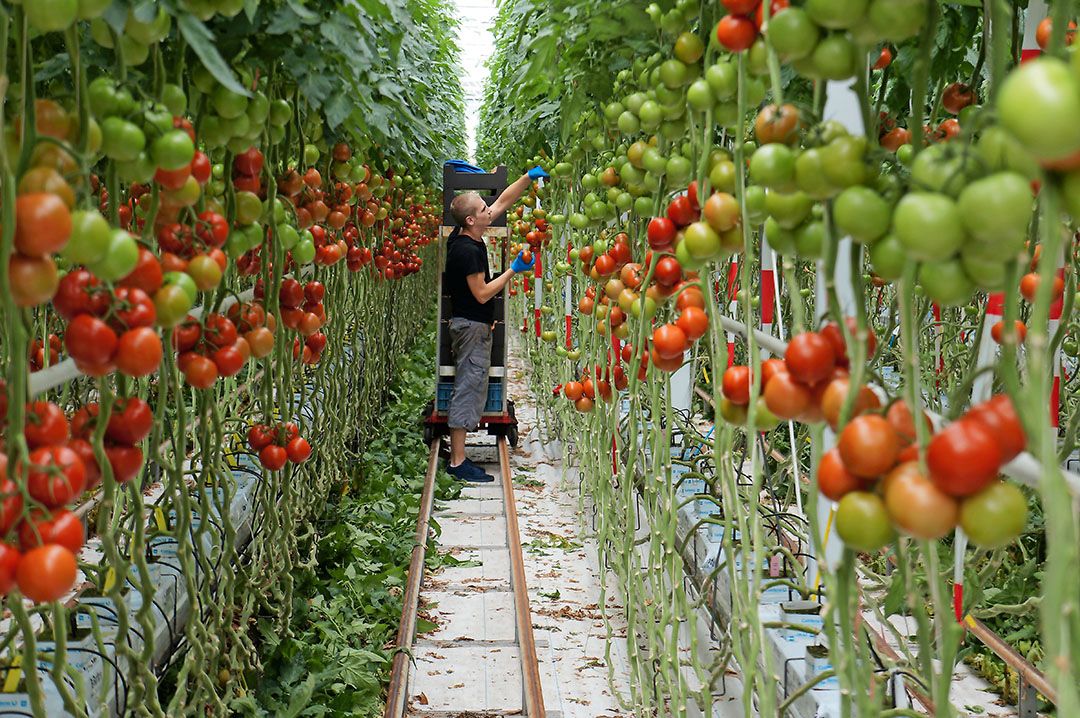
(512, 427)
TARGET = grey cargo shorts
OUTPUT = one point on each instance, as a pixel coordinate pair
(471, 344)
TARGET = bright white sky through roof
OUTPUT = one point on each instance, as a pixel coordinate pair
(477, 44)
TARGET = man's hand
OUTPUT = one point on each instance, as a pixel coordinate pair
(519, 264)
(537, 172)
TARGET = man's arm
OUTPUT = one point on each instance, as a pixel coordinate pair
(511, 194)
(483, 291)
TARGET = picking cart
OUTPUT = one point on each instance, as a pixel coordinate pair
(498, 415)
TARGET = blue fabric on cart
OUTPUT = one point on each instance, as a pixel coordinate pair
(464, 167)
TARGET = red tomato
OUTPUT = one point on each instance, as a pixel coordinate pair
(786, 397)
(219, 331)
(125, 462)
(916, 506)
(963, 458)
(273, 457)
(147, 274)
(259, 436)
(9, 565)
(139, 352)
(86, 453)
(669, 341)
(298, 450)
(11, 505)
(736, 384)
(130, 421)
(681, 211)
(832, 332)
(997, 332)
(55, 475)
(80, 292)
(903, 423)
(810, 357)
(868, 446)
(132, 308)
(694, 322)
(661, 233)
(668, 271)
(736, 33)
(63, 527)
(836, 391)
(833, 478)
(199, 371)
(229, 360)
(46, 573)
(999, 417)
(45, 424)
(90, 340)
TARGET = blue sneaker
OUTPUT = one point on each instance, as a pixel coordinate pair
(470, 472)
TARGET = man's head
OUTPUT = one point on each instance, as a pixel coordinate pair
(471, 212)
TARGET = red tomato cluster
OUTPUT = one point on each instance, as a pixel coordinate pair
(208, 350)
(60, 467)
(38, 358)
(108, 330)
(278, 444)
(583, 393)
(738, 30)
(196, 250)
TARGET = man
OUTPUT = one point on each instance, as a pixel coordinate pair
(472, 314)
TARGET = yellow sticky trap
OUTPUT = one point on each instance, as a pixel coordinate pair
(14, 674)
(159, 520)
(969, 620)
(706, 373)
(110, 580)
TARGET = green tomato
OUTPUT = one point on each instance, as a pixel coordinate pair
(236, 244)
(1070, 346)
(287, 236)
(929, 226)
(780, 239)
(90, 239)
(91, 9)
(50, 15)
(754, 202)
(810, 174)
(628, 123)
(643, 206)
(995, 516)
(673, 73)
(897, 20)
(887, 257)
(119, 259)
(1001, 151)
(939, 168)
(101, 94)
(134, 52)
(679, 169)
(173, 150)
(248, 207)
(997, 210)
(862, 214)
(698, 96)
(862, 521)
(184, 281)
(946, 282)
(906, 154)
(139, 170)
(651, 115)
(174, 99)
(844, 163)
(258, 109)
(172, 303)
(988, 274)
(701, 241)
(687, 260)
(836, 14)
(280, 113)
(773, 166)
(764, 420)
(148, 33)
(228, 104)
(304, 252)
(790, 209)
(723, 79)
(1037, 103)
(811, 239)
(722, 176)
(834, 58)
(793, 34)
(121, 140)
(689, 48)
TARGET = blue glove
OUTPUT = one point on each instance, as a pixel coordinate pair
(519, 265)
(537, 172)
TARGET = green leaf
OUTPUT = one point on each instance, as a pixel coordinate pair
(202, 41)
(896, 597)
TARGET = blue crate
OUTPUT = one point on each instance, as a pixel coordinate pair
(494, 405)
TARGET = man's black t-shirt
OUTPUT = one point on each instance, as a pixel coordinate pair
(465, 256)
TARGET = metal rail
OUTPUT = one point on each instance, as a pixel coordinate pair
(530, 669)
(397, 692)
